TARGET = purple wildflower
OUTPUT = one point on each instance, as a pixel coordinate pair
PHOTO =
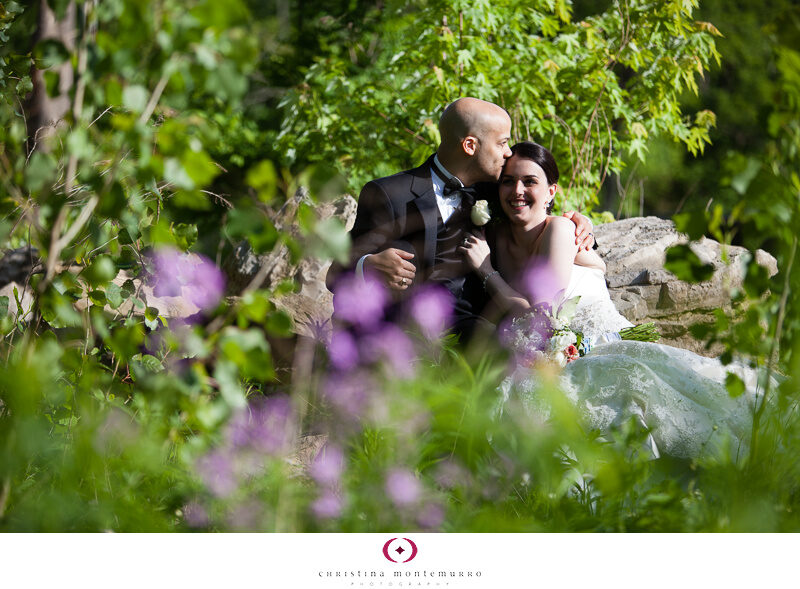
(402, 487)
(191, 276)
(393, 346)
(195, 515)
(450, 475)
(360, 302)
(343, 350)
(347, 392)
(431, 516)
(327, 506)
(327, 466)
(540, 282)
(432, 309)
(216, 470)
(245, 516)
(264, 426)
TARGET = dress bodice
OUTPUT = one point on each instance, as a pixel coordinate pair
(596, 316)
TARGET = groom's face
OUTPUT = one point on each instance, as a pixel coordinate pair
(493, 147)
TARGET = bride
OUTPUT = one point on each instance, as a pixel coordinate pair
(679, 396)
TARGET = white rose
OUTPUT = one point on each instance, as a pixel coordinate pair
(480, 213)
(559, 342)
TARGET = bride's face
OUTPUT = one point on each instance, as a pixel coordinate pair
(524, 191)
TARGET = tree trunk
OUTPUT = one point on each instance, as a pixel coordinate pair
(44, 111)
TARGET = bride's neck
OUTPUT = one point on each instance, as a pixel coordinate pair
(526, 236)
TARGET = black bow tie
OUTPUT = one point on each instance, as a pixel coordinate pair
(468, 193)
(452, 185)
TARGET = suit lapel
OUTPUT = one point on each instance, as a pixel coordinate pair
(425, 201)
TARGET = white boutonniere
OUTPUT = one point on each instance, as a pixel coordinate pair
(480, 213)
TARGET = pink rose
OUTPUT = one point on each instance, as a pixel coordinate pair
(571, 352)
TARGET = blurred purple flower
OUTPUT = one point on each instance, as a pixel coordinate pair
(450, 475)
(402, 487)
(264, 426)
(195, 515)
(360, 301)
(327, 506)
(431, 516)
(192, 276)
(540, 282)
(393, 346)
(327, 466)
(245, 516)
(432, 309)
(343, 350)
(216, 470)
(347, 392)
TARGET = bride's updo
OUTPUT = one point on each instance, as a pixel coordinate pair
(540, 155)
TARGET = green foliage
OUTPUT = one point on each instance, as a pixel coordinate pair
(590, 89)
(115, 416)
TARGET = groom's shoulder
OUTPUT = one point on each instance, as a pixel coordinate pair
(400, 178)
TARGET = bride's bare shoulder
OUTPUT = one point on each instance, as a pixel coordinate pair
(559, 225)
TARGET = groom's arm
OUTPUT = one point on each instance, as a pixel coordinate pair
(373, 231)
(584, 238)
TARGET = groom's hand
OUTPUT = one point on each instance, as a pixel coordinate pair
(584, 238)
(394, 267)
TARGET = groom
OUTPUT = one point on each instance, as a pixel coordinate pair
(408, 226)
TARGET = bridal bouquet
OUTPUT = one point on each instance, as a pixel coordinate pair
(544, 334)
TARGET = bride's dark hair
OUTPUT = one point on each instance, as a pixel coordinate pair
(540, 155)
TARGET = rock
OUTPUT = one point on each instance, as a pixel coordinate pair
(17, 265)
(634, 253)
(25, 298)
(312, 305)
(633, 249)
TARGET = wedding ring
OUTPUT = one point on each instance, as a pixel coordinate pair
(403, 281)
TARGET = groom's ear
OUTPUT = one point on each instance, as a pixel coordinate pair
(469, 144)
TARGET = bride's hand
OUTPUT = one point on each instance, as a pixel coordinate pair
(475, 249)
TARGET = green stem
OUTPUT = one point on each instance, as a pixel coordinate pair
(772, 354)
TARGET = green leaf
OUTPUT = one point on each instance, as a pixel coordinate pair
(151, 318)
(264, 179)
(692, 224)
(51, 80)
(175, 173)
(135, 97)
(40, 172)
(113, 201)
(741, 181)
(735, 385)
(114, 295)
(128, 288)
(279, 323)
(686, 266)
(199, 167)
(49, 53)
(100, 271)
(185, 235)
(3, 306)
(98, 297)
(333, 240)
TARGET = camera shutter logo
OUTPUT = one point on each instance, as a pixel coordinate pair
(400, 549)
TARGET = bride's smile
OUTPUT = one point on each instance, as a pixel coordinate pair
(525, 192)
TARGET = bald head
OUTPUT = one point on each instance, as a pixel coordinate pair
(474, 139)
(468, 116)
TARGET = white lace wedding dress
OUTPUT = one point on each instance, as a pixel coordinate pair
(679, 396)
